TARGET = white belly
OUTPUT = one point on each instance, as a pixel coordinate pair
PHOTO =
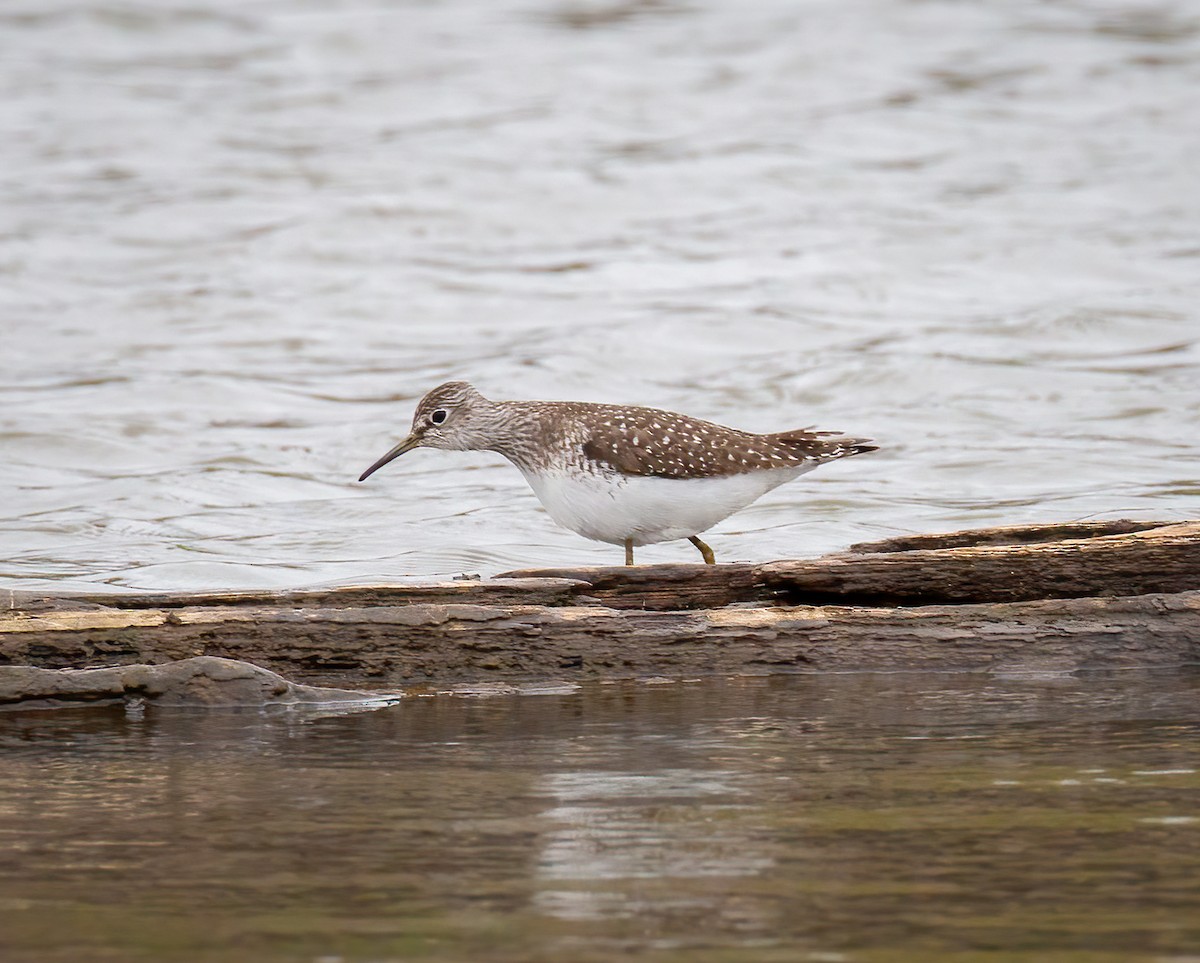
(648, 509)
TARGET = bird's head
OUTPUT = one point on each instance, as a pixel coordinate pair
(447, 417)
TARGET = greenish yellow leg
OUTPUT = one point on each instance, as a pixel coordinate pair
(629, 551)
(709, 558)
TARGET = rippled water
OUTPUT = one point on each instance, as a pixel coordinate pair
(842, 818)
(238, 240)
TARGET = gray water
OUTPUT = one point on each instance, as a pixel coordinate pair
(834, 819)
(239, 239)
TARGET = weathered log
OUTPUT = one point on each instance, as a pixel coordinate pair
(666, 587)
(1009, 535)
(1078, 560)
(1097, 597)
(444, 644)
(1157, 560)
(524, 591)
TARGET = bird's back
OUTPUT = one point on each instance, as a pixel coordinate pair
(640, 441)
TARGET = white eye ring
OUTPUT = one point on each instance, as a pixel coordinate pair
(437, 417)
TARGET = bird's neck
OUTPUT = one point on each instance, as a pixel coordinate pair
(521, 431)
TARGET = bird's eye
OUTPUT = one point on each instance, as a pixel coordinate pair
(438, 416)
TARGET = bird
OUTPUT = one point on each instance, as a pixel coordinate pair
(622, 474)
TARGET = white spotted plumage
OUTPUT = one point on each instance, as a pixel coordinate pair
(622, 474)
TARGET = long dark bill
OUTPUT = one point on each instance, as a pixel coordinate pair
(407, 445)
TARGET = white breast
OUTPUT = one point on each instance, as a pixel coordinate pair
(648, 509)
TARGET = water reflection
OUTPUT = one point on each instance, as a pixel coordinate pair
(883, 817)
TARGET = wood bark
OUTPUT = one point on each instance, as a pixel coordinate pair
(1058, 600)
(1025, 563)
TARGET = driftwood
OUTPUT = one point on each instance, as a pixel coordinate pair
(1015, 564)
(1012, 599)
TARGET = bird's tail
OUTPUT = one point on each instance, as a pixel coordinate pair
(826, 445)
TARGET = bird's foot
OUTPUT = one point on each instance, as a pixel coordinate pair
(709, 558)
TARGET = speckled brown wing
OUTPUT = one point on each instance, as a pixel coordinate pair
(663, 444)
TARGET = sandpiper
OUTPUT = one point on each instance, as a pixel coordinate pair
(622, 474)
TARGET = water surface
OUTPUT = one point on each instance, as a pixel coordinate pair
(238, 240)
(875, 818)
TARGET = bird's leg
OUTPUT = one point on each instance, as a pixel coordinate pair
(629, 551)
(709, 558)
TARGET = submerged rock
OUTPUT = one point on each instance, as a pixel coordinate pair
(201, 681)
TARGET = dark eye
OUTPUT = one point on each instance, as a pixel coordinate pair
(438, 416)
